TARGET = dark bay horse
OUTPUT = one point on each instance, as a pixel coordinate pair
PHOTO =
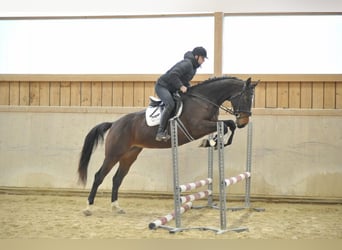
(128, 135)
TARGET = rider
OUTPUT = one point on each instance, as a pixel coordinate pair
(177, 79)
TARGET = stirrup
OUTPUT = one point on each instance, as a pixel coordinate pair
(162, 136)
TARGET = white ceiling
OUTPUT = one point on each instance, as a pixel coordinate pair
(22, 8)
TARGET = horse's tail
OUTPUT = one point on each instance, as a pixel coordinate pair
(91, 141)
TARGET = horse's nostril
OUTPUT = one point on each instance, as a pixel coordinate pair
(241, 125)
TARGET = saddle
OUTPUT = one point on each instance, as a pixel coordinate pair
(156, 107)
(155, 102)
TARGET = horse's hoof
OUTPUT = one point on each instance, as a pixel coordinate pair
(212, 143)
(121, 211)
(204, 144)
(116, 208)
(87, 212)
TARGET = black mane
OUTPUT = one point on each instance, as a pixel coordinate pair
(214, 79)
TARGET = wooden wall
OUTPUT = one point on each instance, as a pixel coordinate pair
(272, 92)
(302, 95)
(106, 93)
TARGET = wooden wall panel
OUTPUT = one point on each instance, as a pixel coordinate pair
(55, 94)
(329, 95)
(44, 91)
(107, 94)
(14, 93)
(34, 94)
(268, 94)
(260, 95)
(4, 93)
(283, 95)
(138, 94)
(294, 95)
(24, 93)
(339, 95)
(149, 91)
(317, 95)
(65, 94)
(306, 95)
(85, 93)
(96, 94)
(128, 94)
(75, 94)
(118, 94)
(271, 94)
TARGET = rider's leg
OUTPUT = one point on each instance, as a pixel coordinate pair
(165, 95)
(162, 133)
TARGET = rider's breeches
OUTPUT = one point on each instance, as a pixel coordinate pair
(165, 95)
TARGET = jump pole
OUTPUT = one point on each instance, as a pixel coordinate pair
(176, 191)
(210, 170)
(222, 188)
(248, 164)
(247, 174)
(249, 169)
(223, 183)
(187, 199)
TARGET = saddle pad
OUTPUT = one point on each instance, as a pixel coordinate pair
(153, 114)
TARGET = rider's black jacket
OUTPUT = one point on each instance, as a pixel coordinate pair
(180, 74)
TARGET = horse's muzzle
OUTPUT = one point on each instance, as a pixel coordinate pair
(242, 120)
(241, 125)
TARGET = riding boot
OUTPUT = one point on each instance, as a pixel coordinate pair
(162, 134)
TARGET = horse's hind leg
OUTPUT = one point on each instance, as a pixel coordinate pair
(107, 165)
(126, 162)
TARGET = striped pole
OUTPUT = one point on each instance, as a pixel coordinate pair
(240, 177)
(163, 220)
(194, 185)
(196, 196)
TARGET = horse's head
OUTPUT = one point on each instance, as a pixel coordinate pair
(242, 103)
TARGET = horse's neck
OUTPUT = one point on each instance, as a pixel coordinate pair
(218, 92)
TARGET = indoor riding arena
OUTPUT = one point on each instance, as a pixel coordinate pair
(282, 172)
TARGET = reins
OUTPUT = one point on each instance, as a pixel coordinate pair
(226, 109)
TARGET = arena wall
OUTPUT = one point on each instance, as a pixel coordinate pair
(296, 152)
(274, 91)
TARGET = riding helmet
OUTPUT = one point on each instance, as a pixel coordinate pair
(199, 51)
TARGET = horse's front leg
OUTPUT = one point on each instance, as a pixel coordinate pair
(228, 124)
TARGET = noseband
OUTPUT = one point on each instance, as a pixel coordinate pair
(238, 109)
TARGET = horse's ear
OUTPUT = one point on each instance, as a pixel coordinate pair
(255, 83)
(248, 82)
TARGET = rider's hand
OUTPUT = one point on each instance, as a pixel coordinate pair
(183, 89)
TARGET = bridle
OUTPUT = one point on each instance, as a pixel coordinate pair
(227, 109)
(238, 111)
